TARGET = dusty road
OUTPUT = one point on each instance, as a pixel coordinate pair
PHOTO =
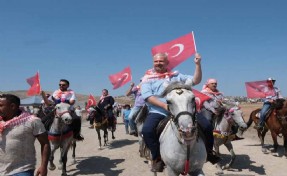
(121, 156)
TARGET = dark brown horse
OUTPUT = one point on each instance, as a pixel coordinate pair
(101, 123)
(276, 122)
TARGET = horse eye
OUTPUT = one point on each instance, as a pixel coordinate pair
(168, 102)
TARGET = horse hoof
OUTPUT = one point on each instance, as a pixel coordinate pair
(52, 167)
(113, 137)
(100, 148)
(219, 173)
(227, 166)
(264, 150)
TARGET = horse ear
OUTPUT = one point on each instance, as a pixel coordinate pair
(189, 82)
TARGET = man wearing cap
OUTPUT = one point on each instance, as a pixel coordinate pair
(267, 104)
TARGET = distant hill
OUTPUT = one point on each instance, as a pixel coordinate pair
(81, 99)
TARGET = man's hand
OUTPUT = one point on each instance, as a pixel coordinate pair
(197, 58)
(42, 171)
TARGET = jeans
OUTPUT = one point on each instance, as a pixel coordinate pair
(132, 117)
(207, 129)
(149, 133)
(25, 173)
(263, 112)
(126, 126)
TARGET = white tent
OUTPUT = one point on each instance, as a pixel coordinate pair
(31, 101)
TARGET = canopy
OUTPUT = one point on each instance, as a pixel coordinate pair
(30, 101)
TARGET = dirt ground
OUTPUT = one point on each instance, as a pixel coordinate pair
(121, 157)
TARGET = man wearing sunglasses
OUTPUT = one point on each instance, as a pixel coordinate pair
(65, 95)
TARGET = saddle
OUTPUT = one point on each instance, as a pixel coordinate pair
(160, 127)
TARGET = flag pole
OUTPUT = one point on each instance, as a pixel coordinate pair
(39, 81)
(194, 41)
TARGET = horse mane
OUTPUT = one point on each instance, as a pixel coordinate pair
(279, 103)
(174, 85)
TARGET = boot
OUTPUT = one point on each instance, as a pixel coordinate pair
(237, 138)
(212, 157)
(157, 166)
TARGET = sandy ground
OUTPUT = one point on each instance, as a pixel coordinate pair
(121, 157)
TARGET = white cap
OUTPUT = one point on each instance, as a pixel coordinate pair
(271, 79)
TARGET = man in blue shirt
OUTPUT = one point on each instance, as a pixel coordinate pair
(153, 85)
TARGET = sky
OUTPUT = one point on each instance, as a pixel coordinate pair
(86, 41)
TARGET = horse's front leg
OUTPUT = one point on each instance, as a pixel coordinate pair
(106, 136)
(229, 147)
(285, 145)
(275, 143)
(216, 148)
(99, 137)
(261, 135)
(64, 163)
(74, 145)
(51, 158)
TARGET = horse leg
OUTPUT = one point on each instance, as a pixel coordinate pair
(51, 158)
(99, 138)
(285, 145)
(74, 145)
(229, 146)
(113, 137)
(64, 163)
(275, 143)
(261, 136)
(106, 136)
(216, 148)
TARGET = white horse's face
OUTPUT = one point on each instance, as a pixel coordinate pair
(237, 116)
(181, 103)
(63, 112)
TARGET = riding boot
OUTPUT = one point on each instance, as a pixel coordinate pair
(234, 129)
(157, 165)
(76, 124)
(212, 157)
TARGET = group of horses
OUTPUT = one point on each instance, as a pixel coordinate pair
(182, 142)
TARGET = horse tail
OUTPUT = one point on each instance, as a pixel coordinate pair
(252, 114)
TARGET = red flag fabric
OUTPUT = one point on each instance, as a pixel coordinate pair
(178, 50)
(200, 98)
(34, 82)
(91, 101)
(259, 89)
(121, 78)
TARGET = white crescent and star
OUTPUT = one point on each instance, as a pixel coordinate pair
(180, 47)
(125, 76)
(92, 101)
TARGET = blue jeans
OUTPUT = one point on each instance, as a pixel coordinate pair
(132, 123)
(207, 129)
(25, 173)
(149, 133)
(126, 125)
(264, 110)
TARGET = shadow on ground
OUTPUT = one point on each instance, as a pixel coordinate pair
(242, 162)
(121, 143)
(97, 165)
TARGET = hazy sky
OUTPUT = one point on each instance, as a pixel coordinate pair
(85, 41)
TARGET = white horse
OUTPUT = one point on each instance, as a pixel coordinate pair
(181, 147)
(60, 135)
(223, 133)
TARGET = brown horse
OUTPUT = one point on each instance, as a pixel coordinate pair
(101, 123)
(276, 122)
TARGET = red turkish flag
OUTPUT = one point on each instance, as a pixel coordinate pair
(259, 89)
(178, 50)
(91, 101)
(121, 78)
(200, 98)
(34, 82)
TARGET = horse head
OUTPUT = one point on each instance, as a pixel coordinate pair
(233, 114)
(181, 105)
(62, 111)
(94, 112)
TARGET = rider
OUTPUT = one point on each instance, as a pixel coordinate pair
(65, 95)
(153, 85)
(267, 104)
(106, 105)
(139, 103)
(215, 105)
